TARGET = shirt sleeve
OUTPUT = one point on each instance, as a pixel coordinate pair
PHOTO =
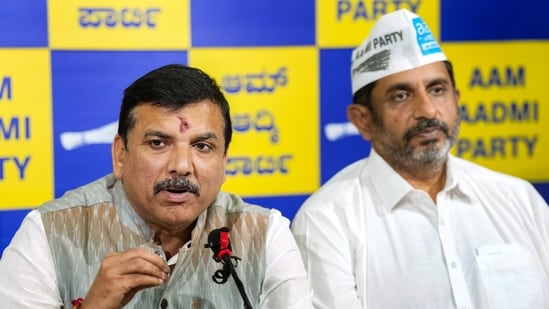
(28, 275)
(540, 235)
(328, 256)
(286, 284)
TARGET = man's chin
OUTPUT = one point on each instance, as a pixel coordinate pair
(431, 154)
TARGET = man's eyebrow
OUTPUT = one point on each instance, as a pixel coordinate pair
(206, 136)
(408, 86)
(439, 81)
(154, 133)
(399, 86)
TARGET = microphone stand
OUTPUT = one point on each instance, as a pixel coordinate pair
(218, 241)
(226, 261)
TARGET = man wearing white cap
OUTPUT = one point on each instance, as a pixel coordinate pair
(412, 226)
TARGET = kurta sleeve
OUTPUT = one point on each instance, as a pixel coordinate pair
(27, 277)
(286, 284)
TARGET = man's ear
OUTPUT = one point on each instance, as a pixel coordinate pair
(361, 117)
(118, 151)
(225, 160)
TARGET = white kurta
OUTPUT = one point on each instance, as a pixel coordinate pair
(369, 240)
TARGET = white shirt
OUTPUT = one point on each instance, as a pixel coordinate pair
(370, 240)
(28, 277)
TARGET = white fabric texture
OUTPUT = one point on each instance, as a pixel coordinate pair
(369, 240)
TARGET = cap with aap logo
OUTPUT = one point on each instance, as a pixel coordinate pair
(399, 41)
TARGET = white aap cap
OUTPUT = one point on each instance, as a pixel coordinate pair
(399, 41)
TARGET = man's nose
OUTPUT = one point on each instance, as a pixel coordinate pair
(181, 159)
(425, 106)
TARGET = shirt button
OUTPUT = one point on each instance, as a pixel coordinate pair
(164, 304)
(454, 264)
(441, 222)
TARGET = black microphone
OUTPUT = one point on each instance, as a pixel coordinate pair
(219, 242)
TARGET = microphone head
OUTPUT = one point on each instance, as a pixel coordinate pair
(219, 243)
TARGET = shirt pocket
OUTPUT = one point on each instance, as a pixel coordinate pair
(510, 276)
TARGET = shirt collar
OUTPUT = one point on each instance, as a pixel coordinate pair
(455, 183)
(391, 187)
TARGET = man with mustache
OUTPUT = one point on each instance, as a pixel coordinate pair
(412, 226)
(136, 238)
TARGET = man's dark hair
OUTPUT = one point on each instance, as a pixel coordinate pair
(364, 95)
(172, 86)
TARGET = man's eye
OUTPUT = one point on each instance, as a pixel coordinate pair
(203, 146)
(400, 96)
(437, 90)
(156, 143)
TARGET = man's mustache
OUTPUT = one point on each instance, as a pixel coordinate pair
(424, 124)
(177, 184)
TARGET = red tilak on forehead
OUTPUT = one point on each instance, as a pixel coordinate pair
(184, 125)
